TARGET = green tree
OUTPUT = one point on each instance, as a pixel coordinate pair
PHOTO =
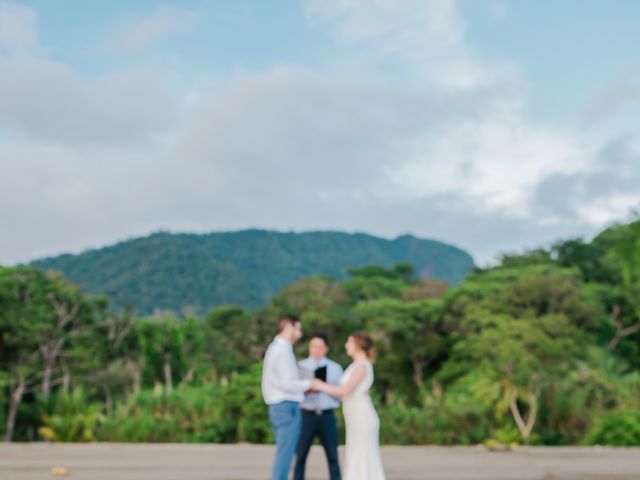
(522, 357)
(47, 326)
(410, 337)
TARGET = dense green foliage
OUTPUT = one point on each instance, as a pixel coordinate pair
(541, 349)
(195, 273)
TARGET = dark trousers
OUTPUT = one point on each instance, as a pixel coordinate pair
(324, 426)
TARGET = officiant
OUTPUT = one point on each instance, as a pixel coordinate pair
(318, 409)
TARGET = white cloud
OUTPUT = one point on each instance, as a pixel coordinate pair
(605, 191)
(621, 92)
(498, 10)
(400, 23)
(476, 140)
(18, 27)
(48, 100)
(421, 40)
(136, 35)
(607, 210)
(408, 130)
(497, 161)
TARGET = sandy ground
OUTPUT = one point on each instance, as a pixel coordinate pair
(252, 462)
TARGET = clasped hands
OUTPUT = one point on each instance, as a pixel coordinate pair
(317, 385)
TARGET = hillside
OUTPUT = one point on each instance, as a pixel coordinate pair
(167, 271)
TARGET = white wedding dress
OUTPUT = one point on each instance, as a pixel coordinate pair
(362, 460)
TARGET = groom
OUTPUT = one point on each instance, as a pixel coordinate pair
(283, 390)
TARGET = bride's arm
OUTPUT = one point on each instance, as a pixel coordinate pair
(356, 376)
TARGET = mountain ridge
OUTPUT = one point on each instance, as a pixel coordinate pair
(172, 271)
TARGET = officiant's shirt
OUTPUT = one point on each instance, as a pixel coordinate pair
(320, 400)
(280, 379)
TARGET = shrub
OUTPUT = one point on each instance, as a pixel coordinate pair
(620, 428)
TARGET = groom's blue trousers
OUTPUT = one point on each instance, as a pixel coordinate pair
(286, 422)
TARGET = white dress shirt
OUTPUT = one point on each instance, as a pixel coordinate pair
(320, 400)
(280, 378)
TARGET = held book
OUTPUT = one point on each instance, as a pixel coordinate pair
(321, 373)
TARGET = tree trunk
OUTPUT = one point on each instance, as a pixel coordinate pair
(417, 371)
(46, 378)
(50, 354)
(621, 330)
(525, 427)
(168, 380)
(66, 380)
(15, 400)
(188, 378)
(437, 388)
(136, 373)
(108, 400)
(387, 396)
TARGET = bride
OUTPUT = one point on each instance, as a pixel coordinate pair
(362, 424)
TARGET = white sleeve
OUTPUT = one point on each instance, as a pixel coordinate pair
(285, 374)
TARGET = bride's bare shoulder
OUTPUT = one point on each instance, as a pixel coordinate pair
(359, 364)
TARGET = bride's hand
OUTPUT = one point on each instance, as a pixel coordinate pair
(316, 385)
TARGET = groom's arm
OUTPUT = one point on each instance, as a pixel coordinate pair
(286, 375)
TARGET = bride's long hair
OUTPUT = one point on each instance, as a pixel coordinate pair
(365, 343)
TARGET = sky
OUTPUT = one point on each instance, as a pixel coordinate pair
(494, 125)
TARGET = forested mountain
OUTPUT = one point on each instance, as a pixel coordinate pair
(195, 272)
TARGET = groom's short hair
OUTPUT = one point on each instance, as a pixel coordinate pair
(284, 320)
